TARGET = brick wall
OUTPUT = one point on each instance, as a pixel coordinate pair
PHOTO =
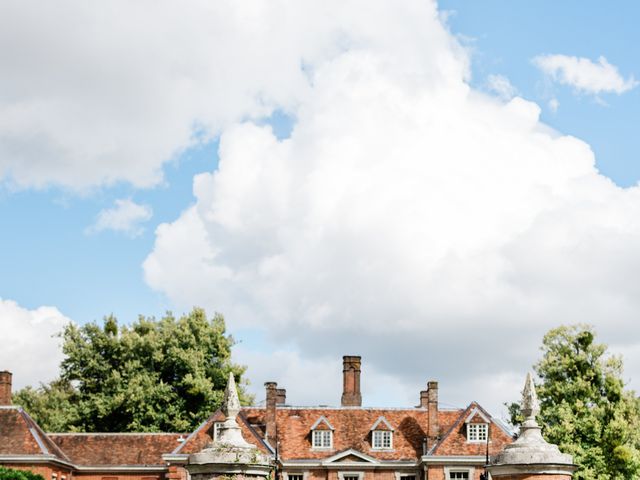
(47, 471)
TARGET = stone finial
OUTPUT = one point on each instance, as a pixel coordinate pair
(531, 454)
(231, 402)
(530, 404)
(229, 453)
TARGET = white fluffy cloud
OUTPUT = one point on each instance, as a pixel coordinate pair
(126, 216)
(585, 75)
(95, 93)
(435, 230)
(30, 348)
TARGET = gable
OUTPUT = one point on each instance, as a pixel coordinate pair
(350, 456)
(382, 424)
(454, 440)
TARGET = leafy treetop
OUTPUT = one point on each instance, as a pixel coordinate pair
(155, 375)
(585, 409)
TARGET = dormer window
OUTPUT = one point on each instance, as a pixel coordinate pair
(322, 434)
(322, 439)
(477, 426)
(382, 439)
(382, 435)
(477, 432)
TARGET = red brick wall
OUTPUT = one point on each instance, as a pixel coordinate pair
(118, 476)
(45, 470)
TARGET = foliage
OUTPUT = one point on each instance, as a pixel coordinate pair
(12, 474)
(155, 375)
(585, 409)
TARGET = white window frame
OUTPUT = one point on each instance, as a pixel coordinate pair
(449, 470)
(400, 475)
(377, 439)
(341, 475)
(288, 475)
(317, 439)
(477, 430)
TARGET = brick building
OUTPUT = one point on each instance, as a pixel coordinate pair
(349, 442)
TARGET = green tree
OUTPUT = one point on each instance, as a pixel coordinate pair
(155, 375)
(585, 408)
(12, 474)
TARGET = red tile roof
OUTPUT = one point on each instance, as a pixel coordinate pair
(93, 449)
(22, 436)
(352, 430)
(454, 439)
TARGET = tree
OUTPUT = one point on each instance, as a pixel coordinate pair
(155, 375)
(585, 409)
(13, 474)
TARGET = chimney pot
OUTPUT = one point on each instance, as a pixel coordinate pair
(351, 396)
(5, 387)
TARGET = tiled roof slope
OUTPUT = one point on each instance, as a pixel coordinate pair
(201, 437)
(22, 436)
(352, 430)
(454, 439)
(109, 449)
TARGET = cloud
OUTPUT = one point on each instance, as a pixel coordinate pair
(100, 94)
(584, 75)
(125, 217)
(501, 85)
(553, 104)
(30, 348)
(432, 229)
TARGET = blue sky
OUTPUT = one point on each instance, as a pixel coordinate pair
(49, 255)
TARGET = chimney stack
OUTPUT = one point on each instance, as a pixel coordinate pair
(351, 396)
(432, 405)
(281, 396)
(5, 388)
(270, 413)
(424, 399)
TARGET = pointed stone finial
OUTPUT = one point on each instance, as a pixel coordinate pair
(530, 455)
(231, 402)
(530, 403)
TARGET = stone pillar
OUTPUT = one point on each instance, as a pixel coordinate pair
(530, 457)
(230, 456)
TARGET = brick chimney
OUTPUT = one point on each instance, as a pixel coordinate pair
(351, 396)
(424, 399)
(281, 396)
(270, 413)
(432, 405)
(5, 388)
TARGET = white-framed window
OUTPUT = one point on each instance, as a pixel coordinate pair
(382, 439)
(458, 474)
(477, 432)
(295, 476)
(350, 475)
(405, 476)
(322, 439)
(216, 429)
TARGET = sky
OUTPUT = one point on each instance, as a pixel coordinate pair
(431, 186)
